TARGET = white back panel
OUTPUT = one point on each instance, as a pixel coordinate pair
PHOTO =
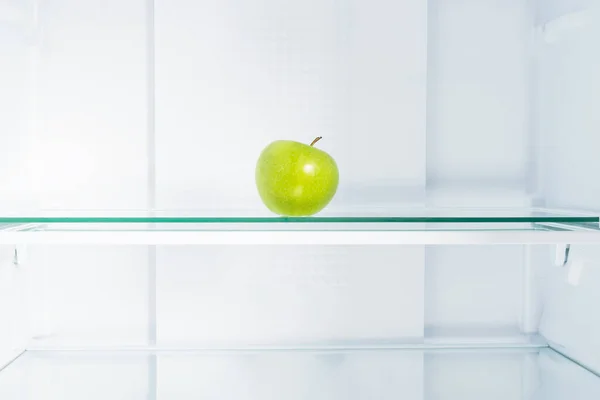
(88, 151)
(478, 97)
(232, 76)
(288, 295)
(473, 290)
(89, 296)
(297, 375)
(15, 81)
(478, 154)
(83, 377)
(472, 376)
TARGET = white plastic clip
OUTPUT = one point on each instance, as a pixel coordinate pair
(562, 255)
(20, 255)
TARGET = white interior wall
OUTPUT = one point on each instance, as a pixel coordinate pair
(287, 70)
(233, 76)
(560, 378)
(569, 90)
(88, 151)
(460, 376)
(76, 375)
(548, 10)
(473, 290)
(14, 179)
(296, 375)
(286, 295)
(15, 71)
(478, 115)
(14, 307)
(435, 375)
(89, 296)
(479, 153)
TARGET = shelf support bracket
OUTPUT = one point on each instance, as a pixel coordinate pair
(562, 255)
(20, 255)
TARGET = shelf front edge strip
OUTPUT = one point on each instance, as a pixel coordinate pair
(298, 237)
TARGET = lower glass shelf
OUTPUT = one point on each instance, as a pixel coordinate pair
(506, 374)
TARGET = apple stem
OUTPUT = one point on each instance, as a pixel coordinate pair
(316, 140)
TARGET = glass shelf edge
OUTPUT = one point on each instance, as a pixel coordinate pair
(433, 215)
(301, 220)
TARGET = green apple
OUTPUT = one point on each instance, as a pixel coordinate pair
(296, 179)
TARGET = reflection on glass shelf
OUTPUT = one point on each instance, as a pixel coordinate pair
(409, 219)
(506, 374)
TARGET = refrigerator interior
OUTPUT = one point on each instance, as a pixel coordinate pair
(141, 104)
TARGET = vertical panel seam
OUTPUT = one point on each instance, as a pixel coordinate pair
(151, 160)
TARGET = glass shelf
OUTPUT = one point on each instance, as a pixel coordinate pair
(357, 216)
(352, 226)
(507, 374)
